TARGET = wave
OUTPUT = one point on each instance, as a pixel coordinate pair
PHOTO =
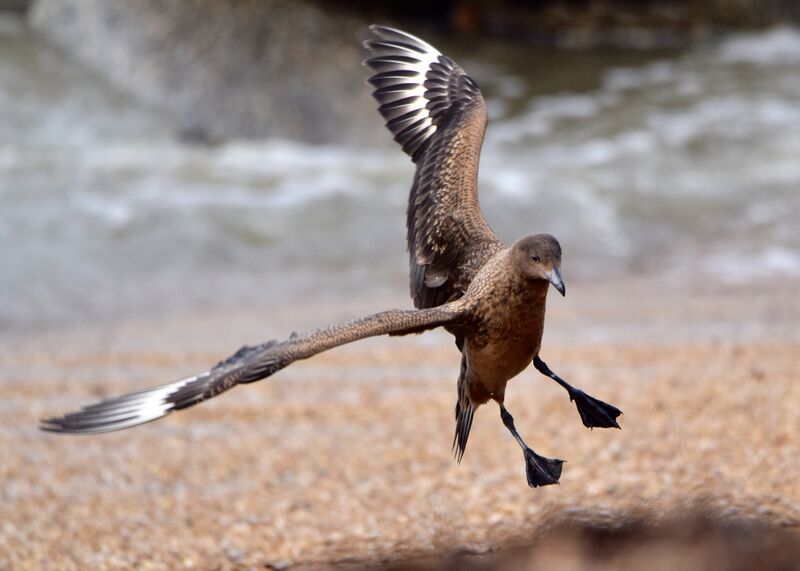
(780, 46)
(685, 165)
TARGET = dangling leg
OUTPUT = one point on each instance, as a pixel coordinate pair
(540, 471)
(594, 412)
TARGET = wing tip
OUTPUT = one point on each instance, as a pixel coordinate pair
(58, 425)
(144, 406)
(51, 424)
(400, 63)
(119, 412)
(88, 423)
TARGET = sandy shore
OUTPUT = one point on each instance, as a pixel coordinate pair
(346, 457)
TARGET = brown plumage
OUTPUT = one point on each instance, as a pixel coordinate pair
(491, 297)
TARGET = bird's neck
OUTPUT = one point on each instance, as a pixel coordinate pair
(535, 291)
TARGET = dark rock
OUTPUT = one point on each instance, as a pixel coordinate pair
(14, 5)
(223, 68)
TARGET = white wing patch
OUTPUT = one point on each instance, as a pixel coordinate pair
(401, 63)
(122, 412)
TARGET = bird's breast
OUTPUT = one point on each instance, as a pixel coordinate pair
(508, 320)
(500, 352)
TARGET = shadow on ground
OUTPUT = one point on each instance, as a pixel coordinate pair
(698, 542)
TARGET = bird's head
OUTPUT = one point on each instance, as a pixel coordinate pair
(538, 257)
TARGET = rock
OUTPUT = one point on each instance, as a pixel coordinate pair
(223, 68)
(248, 69)
(14, 5)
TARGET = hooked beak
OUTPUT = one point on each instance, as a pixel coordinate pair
(554, 277)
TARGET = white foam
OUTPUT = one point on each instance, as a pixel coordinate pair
(627, 78)
(512, 182)
(280, 156)
(546, 113)
(567, 105)
(114, 212)
(779, 46)
(672, 157)
(742, 267)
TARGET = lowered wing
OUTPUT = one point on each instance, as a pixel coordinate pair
(247, 365)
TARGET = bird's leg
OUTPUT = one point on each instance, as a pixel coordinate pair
(594, 412)
(540, 471)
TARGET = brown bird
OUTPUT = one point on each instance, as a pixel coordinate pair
(490, 296)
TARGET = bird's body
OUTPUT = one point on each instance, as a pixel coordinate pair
(508, 313)
(490, 296)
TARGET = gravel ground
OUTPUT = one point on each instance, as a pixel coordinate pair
(345, 460)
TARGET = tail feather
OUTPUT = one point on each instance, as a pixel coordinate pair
(464, 416)
(465, 412)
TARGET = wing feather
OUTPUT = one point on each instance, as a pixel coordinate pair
(438, 115)
(247, 365)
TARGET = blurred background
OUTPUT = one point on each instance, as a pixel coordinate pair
(181, 177)
(158, 156)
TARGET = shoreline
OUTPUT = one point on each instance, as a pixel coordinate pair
(620, 309)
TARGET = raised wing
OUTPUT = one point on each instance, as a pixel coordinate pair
(438, 116)
(247, 365)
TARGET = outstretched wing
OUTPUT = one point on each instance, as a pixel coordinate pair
(437, 114)
(247, 365)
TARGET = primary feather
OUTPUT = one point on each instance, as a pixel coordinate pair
(247, 365)
(437, 114)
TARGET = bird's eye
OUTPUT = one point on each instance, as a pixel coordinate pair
(535, 258)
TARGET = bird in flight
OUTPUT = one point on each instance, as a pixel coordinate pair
(489, 296)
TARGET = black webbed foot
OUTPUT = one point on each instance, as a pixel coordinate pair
(594, 412)
(541, 471)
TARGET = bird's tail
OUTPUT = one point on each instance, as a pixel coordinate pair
(465, 411)
(464, 417)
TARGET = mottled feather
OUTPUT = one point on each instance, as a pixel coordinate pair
(438, 115)
(247, 365)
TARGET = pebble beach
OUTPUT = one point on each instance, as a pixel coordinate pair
(344, 461)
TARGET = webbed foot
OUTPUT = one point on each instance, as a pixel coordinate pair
(541, 471)
(594, 412)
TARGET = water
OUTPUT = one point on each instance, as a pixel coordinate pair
(684, 165)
